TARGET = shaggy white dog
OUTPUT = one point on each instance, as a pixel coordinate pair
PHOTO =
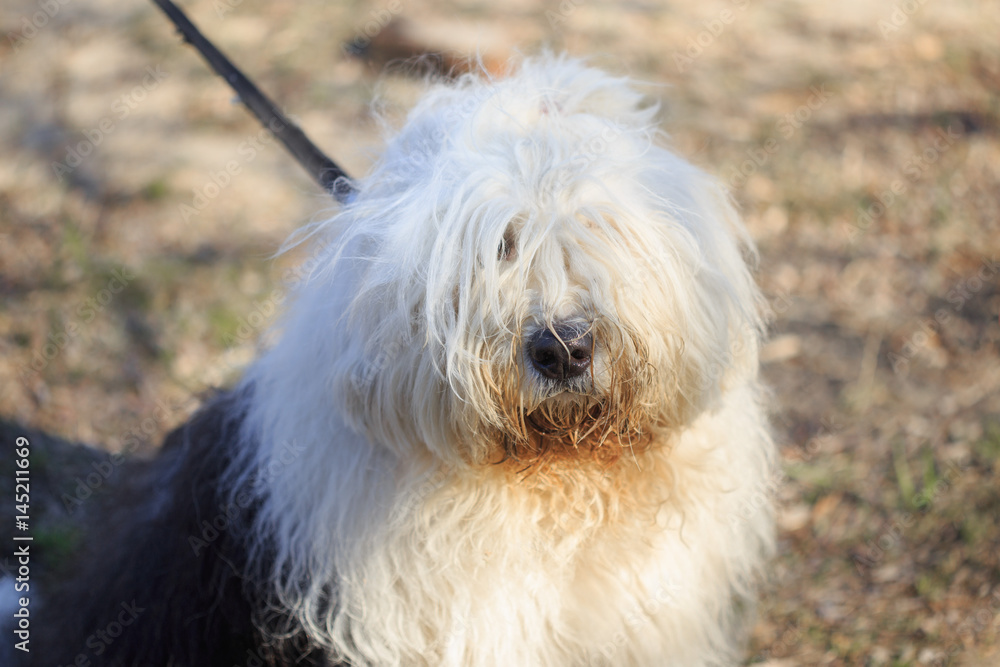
(513, 417)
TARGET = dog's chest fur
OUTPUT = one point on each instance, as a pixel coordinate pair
(616, 566)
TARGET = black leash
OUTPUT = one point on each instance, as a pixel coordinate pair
(326, 172)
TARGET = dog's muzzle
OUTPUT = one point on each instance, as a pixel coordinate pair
(561, 353)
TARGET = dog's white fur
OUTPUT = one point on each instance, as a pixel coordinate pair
(409, 510)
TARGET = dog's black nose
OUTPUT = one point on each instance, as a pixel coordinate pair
(561, 353)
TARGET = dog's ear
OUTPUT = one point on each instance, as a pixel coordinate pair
(716, 323)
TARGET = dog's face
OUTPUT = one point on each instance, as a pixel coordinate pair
(566, 286)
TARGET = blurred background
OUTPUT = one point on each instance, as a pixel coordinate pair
(140, 207)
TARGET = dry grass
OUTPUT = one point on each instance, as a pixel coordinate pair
(885, 351)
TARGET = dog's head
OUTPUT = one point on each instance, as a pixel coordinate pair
(527, 273)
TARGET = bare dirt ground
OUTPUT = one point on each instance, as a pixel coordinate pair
(139, 207)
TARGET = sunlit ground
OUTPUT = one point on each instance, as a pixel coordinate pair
(140, 207)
